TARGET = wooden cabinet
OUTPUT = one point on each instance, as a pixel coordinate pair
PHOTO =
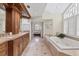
(14, 47)
(18, 45)
(25, 40)
(12, 20)
(3, 49)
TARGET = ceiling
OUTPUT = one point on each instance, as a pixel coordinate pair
(56, 7)
(37, 9)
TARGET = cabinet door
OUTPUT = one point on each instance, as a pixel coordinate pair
(16, 47)
(4, 49)
(25, 40)
(21, 42)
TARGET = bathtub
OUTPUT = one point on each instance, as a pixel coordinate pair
(65, 43)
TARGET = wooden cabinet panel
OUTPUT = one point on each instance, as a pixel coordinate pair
(12, 20)
(4, 49)
(25, 40)
(20, 44)
(10, 48)
(16, 47)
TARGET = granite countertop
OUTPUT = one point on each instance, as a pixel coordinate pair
(11, 37)
(66, 45)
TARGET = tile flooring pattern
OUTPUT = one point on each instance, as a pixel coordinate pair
(37, 47)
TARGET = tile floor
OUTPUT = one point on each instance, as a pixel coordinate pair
(37, 47)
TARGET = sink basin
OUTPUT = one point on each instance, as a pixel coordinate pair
(65, 43)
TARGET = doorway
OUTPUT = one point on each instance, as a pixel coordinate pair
(37, 29)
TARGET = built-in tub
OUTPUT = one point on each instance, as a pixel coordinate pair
(68, 46)
(65, 43)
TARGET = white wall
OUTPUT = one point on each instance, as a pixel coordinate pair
(57, 23)
(48, 27)
(53, 12)
(56, 20)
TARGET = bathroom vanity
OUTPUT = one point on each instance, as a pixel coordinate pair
(14, 45)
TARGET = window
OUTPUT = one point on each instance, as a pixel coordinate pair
(78, 7)
(2, 20)
(77, 25)
(71, 21)
(66, 26)
(71, 28)
(24, 25)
